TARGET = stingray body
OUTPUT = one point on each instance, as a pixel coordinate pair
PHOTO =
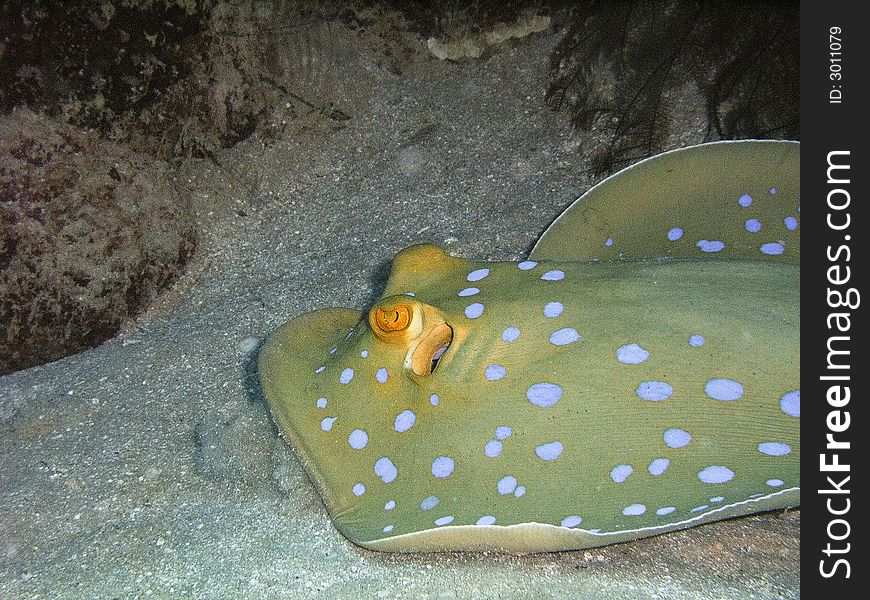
(638, 374)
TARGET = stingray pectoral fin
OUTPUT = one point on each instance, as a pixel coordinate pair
(289, 362)
(526, 538)
(734, 200)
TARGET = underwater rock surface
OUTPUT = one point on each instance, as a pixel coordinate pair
(90, 232)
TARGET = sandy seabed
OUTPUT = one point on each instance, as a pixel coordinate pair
(149, 466)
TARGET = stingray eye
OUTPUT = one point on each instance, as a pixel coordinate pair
(391, 319)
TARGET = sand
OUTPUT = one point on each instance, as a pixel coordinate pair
(149, 466)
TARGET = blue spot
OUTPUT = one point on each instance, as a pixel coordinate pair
(477, 275)
(608, 242)
(388, 529)
(364, 353)
(553, 309)
(772, 248)
(442, 467)
(676, 438)
(716, 474)
(723, 389)
(696, 340)
(774, 448)
(775, 482)
(520, 491)
(717, 499)
(634, 510)
(745, 200)
(620, 473)
(333, 351)
(503, 432)
(631, 354)
(404, 420)
(700, 508)
(326, 424)
(666, 510)
(753, 225)
(486, 520)
(564, 336)
(654, 391)
(544, 394)
(494, 372)
(790, 223)
(554, 275)
(472, 311)
(346, 375)
(390, 505)
(358, 439)
(444, 521)
(571, 521)
(429, 503)
(469, 291)
(659, 466)
(321, 403)
(710, 246)
(510, 334)
(773, 191)
(549, 451)
(526, 265)
(319, 369)
(675, 234)
(385, 469)
(382, 375)
(507, 484)
(493, 448)
(790, 403)
(433, 399)
(359, 489)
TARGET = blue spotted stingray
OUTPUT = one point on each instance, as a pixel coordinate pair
(637, 374)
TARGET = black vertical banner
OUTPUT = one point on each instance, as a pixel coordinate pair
(835, 168)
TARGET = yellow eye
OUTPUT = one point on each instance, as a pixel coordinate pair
(394, 318)
(413, 328)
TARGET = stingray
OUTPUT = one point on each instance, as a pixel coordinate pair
(637, 374)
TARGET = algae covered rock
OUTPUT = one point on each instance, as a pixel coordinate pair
(89, 233)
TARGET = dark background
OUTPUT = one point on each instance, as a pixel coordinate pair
(826, 127)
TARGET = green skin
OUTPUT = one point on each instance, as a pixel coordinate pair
(751, 335)
(694, 188)
(747, 311)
